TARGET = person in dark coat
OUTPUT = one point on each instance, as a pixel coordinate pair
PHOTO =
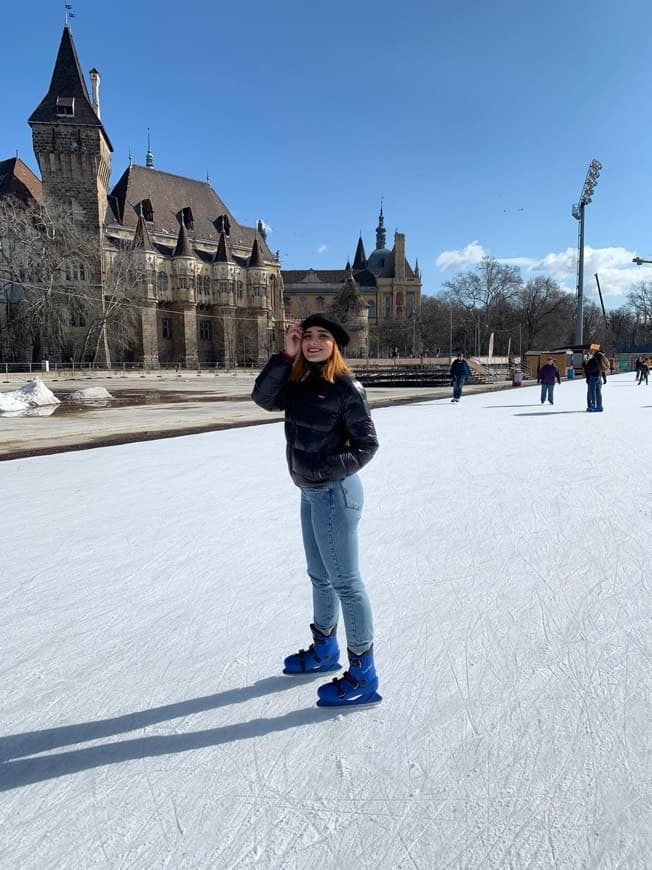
(459, 373)
(595, 371)
(330, 436)
(548, 375)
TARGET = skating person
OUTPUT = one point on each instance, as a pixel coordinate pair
(639, 369)
(330, 436)
(460, 372)
(548, 376)
(645, 370)
(595, 370)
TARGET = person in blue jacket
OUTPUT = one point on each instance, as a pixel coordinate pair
(330, 436)
(460, 372)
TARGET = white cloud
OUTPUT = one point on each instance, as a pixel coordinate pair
(322, 249)
(471, 255)
(614, 267)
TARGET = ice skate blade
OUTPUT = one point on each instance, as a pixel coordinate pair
(316, 671)
(371, 701)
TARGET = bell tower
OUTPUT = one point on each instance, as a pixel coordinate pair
(70, 143)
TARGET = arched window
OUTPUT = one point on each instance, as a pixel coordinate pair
(162, 282)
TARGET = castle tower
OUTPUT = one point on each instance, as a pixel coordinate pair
(185, 326)
(351, 309)
(70, 143)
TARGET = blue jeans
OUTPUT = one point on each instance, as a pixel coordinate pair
(594, 392)
(329, 522)
(547, 390)
(458, 383)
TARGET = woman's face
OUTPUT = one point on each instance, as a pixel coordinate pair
(317, 344)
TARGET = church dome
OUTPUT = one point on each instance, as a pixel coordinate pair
(379, 261)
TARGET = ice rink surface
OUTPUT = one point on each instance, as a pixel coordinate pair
(149, 593)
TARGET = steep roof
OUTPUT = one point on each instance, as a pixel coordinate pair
(183, 248)
(67, 82)
(168, 195)
(141, 235)
(222, 254)
(256, 258)
(17, 179)
(360, 259)
(363, 278)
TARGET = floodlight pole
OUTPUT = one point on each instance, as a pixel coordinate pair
(579, 312)
(590, 183)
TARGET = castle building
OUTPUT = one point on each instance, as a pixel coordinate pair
(211, 290)
(386, 283)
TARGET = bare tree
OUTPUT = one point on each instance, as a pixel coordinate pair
(116, 311)
(546, 313)
(59, 291)
(487, 293)
(45, 253)
(489, 284)
(639, 300)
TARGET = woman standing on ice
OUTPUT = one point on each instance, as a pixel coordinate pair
(548, 376)
(330, 436)
(595, 371)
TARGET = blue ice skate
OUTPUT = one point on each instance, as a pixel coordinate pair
(322, 655)
(357, 686)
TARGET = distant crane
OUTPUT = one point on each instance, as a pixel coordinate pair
(604, 313)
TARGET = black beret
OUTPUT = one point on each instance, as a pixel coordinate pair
(330, 323)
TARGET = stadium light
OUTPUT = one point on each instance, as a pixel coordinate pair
(590, 183)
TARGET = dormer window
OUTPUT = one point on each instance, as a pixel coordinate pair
(66, 107)
(148, 209)
(223, 225)
(185, 216)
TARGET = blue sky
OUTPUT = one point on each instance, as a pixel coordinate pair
(476, 122)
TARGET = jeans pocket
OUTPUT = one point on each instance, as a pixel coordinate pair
(352, 492)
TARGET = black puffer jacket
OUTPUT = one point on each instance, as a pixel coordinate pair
(328, 427)
(592, 370)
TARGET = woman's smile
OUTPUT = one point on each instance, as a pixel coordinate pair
(317, 344)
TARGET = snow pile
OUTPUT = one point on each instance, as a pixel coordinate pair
(33, 394)
(9, 402)
(90, 394)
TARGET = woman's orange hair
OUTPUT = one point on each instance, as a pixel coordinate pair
(333, 367)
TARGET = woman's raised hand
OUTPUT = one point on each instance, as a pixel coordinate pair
(293, 339)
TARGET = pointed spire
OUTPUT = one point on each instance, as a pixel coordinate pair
(141, 234)
(380, 229)
(183, 248)
(67, 100)
(222, 254)
(360, 259)
(149, 157)
(417, 272)
(256, 258)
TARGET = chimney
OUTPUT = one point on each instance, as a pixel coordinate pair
(95, 85)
